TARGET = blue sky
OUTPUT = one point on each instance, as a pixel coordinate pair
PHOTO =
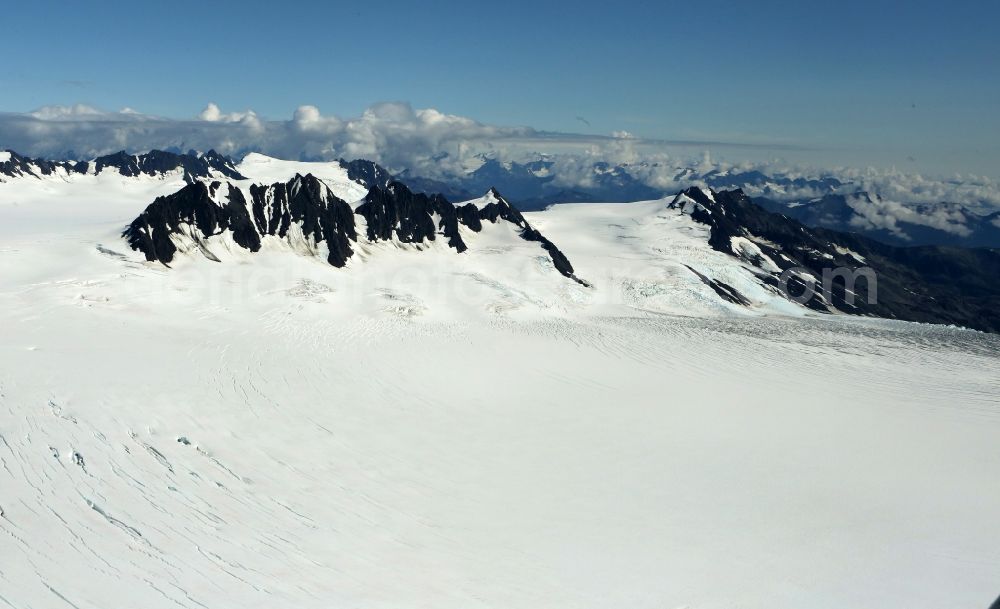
(851, 83)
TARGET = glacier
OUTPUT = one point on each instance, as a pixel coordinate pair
(431, 429)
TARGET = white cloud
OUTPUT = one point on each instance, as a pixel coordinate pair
(74, 112)
(391, 133)
(434, 144)
(248, 119)
(877, 213)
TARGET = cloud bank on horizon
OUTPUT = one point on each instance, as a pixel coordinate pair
(436, 145)
(393, 133)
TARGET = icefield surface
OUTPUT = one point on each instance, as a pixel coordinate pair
(429, 429)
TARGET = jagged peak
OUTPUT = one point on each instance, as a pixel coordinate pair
(691, 201)
(214, 154)
(121, 154)
(367, 173)
(491, 197)
(495, 194)
(705, 200)
(311, 184)
(202, 211)
(16, 165)
(153, 163)
(394, 187)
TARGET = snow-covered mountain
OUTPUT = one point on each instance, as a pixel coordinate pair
(154, 163)
(894, 223)
(537, 183)
(351, 212)
(937, 285)
(534, 185)
(822, 201)
(374, 418)
(862, 276)
(307, 216)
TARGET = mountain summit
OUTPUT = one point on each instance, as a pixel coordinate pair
(306, 214)
(154, 163)
(841, 272)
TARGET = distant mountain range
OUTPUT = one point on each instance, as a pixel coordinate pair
(828, 270)
(308, 216)
(155, 162)
(829, 202)
(337, 210)
(867, 214)
(534, 185)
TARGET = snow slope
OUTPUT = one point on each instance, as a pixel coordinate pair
(487, 199)
(646, 257)
(262, 169)
(429, 429)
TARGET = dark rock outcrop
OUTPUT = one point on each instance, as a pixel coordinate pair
(850, 273)
(305, 201)
(153, 163)
(17, 166)
(193, 206)
(201, 210)
(367, 173)
(397, 212)
(158, 162)
(447, 190)
(724, 290)
(497, 209)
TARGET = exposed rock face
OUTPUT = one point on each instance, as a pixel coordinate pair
(202, 210)
(156, 162)
(199, 211)
(308, 203)
(17, 166)
(722, 289)
(368, 173)
(193, 205)
(933, 284)
(397, 212)
(498, 209)
(410, 217)
(826, 202)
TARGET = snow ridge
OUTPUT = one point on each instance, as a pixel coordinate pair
(834, 272)
(306, 212)
(155, 163)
